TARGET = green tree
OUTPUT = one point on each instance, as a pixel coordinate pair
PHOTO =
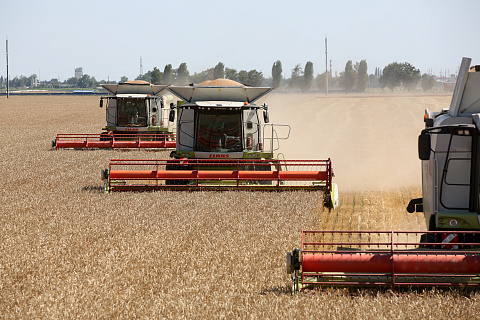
(72, 82)
(362, 76)
(124, 79)
(156, 76)
(410, 76)
(219, 71)
(322, 84)
(54, 83)
(84, 81)
(391, 76)
(231, 74)
(349, 80)
(427, 82)
(168, 74)
(296, 78)
(182, 74)
(400, 74)
(307, 77)
(255, 78)
(243, 77)
(199, 77)
(277, 74)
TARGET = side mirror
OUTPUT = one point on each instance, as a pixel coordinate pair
(424, 146)
(266, 118)
(101, 103)
(171, 115)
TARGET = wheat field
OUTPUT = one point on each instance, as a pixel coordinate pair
(67, 250)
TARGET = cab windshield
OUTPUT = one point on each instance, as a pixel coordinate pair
(219, 130)
(131, 113)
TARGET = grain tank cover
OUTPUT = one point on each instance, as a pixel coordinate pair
(219, 90)
(466, 96)
(134, 87)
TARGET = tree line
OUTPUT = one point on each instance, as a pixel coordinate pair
(354, 77)
(181, 75)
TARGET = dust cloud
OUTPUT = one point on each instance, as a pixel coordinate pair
(371, 139)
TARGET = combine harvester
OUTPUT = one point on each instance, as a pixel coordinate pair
(448, 254)
(137, 117)
(223, 144)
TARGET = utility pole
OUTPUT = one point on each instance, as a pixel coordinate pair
(8, 89)
(326, 67)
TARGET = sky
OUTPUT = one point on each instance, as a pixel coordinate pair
(107, 39)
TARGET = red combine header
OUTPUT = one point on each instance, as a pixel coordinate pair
(115, 141)
(205, 174)
(384, 258)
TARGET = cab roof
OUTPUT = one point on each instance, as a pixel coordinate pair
(216, 90)
(134, 87)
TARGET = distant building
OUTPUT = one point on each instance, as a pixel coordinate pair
(34, 81)
(78, 73)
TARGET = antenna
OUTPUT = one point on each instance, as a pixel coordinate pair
(141, 67)
(326, 67)
(8, 90)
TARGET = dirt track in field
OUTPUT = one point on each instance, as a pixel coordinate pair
(69, 251)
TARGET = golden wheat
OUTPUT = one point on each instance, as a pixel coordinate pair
(67, 250)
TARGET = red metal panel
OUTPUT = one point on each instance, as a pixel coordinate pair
(124, 144)
(152, 144)
(218, 174)
(71, 144)
(258, 175)
(382, 263)
(133, 174)
(99, 144)
(177, 174)
(303, 175)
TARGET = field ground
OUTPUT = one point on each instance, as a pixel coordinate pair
(67, 250)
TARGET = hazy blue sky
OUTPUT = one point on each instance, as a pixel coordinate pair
(107, 38)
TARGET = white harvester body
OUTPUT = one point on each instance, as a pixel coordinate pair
(137, 106)
(244, 133)
(450, 153)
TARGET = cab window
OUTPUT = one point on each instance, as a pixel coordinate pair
(132, 113)
(219, 130)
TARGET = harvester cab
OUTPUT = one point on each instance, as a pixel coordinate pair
(136, 106)
(224, 142)
(448, 254)
(220, 120)
(137, 117)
